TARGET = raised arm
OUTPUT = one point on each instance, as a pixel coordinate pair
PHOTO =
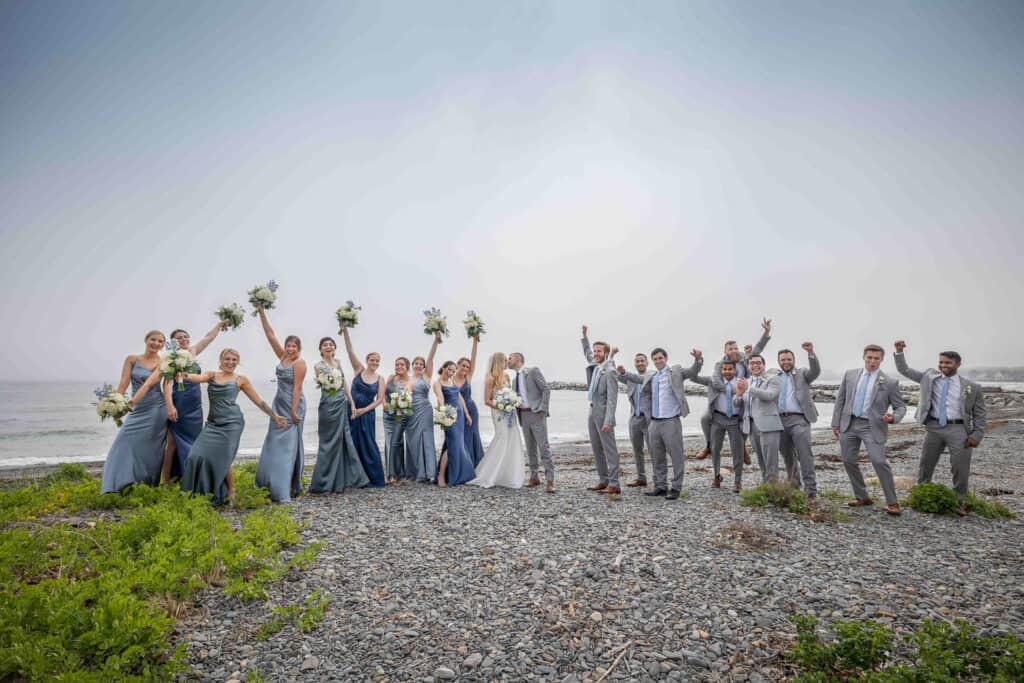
(901, 363)
(587, 353)
(766, 334)
(472, 358)
(198, 347)
(814, 371)
(247, 388)
(269, 331)
(429, 371)
(357, 365)
(702, 379)
(698, 363)
(299, 374)
(626, 377)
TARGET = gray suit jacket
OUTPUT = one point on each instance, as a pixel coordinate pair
(677, 375)
(606, 395)
(716, 387)
(763, 408)
(972, 400)
(537, 391)
(633, 380)
(758, 348)
(887, 393)
(802, 378)
(591, 363)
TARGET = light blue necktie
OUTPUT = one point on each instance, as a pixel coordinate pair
(656, 395)
(728, 399)
(862, 394)
(785, 390)
(636, 399)
(943, 397)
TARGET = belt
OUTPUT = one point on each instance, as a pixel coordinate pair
(855, 417)
(725, 415)
(949, 422)
(659, 419)
(788, 414)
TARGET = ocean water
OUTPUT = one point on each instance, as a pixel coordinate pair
(52, 422)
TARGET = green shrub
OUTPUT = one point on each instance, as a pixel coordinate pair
(934, 498)
(68, 471)
(306, 617)
(987, 508)
(780, 494)
(248, 496)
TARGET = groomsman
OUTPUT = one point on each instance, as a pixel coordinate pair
(532, 388)
(952, 410)
(725, 419)
(861, 415)
(664, 402)
(603, 394)
(759, 395)
(798, 413)
(739, 360)
(638, 422)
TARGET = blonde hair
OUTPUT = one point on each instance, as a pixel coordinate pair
(497, 370)
(226, 351)
(151, 333)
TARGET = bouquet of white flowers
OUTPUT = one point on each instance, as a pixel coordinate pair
(474, 325)
(330, 380)
(231, 317)
(175, 361)
(435, 322)
(445, 415)
(110, 403)
(508, 402)
(263, 295)
(399, 403)
(348, 315)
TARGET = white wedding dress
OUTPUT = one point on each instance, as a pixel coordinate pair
(504, 461)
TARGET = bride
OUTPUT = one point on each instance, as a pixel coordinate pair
(503, 463)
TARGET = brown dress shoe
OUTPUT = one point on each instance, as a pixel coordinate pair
(599, 487)
(612, 490)
(893, 509)
(860, 502)
(551, 487)
(737, 488)
(704, 453)
(637, 482)
(717, 481)
(961, 510)
(746, 455)
(534, 481)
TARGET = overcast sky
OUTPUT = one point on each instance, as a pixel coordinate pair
(666, 172)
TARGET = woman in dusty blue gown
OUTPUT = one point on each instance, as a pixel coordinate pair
(394, 425)
(463, 380)
(281, 459)
(367, 394)
(137, 453)
(208, 466)
(337, 462)
(184, 407)
(455, 467)
(420, 451)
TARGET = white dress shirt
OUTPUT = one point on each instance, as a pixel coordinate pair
(668, 406)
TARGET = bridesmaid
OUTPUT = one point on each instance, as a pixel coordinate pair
(280, 467)
(337, 462)
(208, 466)
(420, 451)
(394, 425)
(184, 408)
(455, 467)
(367, 394)
(463, 380)
(138, 449)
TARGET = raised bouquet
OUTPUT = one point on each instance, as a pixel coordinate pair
(473, 324)
(231, 317)
(176, 361)
(330, 380)
(348, 315)
(445, 415)
(399, 403)
(110, 403)
(263, 295)
(435, 322)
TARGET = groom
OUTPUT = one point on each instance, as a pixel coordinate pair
(532, 388)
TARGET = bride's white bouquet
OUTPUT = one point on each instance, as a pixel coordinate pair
(473, 324)
(399, 403)
(231, 317)
(507, 401)
(445, 415)
(110, 403)
(330, 380)
(348, 315)
(175, 362)
(263, 295)
(435, 322)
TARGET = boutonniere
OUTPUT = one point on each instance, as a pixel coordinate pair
(968, 390)
(881, 381)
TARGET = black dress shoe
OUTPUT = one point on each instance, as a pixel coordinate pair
(672, 495)
(655, 493)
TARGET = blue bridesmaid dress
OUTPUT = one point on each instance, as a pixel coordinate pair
(213, 451)
(137, 454)
(337, 461)
(189, 404)
(364, 430)
(281, 461)
(474, 445)
(394, 436)
(420, 451)
(459, 469)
